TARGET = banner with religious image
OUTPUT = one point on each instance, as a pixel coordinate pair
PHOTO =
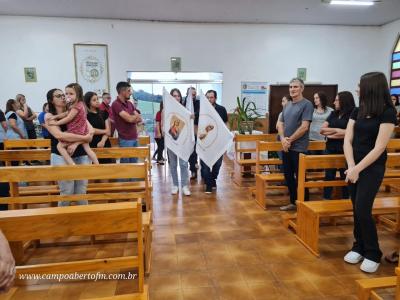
(177, 130)
(213, 137)
(190, 107)
(91, 67)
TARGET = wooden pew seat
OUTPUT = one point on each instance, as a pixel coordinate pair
(82, 172)
(310, 212)
(98, 187)
(366, 287)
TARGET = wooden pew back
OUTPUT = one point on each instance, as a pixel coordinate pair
(61, 222)
(26, 143)
(44, 154)
(14, 175)
(243, 138)
(338, 161)
(275, 147)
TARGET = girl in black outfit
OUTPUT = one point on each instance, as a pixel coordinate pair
(101, 124)
(334, 129)
(367, 134)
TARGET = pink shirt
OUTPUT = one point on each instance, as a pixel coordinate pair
(78, 125)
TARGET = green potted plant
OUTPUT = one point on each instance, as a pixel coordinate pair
(244, 116)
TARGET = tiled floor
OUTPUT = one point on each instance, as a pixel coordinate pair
(223, 246)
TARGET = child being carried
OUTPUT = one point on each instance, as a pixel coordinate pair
(76, 120)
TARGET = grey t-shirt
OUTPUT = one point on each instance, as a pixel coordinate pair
(292, 116)
(317, 121)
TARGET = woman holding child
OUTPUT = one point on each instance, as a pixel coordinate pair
(57, 105)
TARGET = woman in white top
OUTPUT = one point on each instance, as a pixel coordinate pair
(321, 113)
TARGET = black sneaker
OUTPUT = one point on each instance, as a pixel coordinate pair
(214, 184)
(208, 189)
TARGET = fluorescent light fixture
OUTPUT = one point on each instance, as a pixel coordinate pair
(352, 2)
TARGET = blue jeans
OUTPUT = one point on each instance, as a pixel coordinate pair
(125, 144)
(173, 166)
(210, 176)
(70, 187)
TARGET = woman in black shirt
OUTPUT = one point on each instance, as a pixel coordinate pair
(334, 129)
(100, 122)
(367, 135)
(58, 105)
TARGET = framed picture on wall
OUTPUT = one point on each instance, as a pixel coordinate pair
(91, 67)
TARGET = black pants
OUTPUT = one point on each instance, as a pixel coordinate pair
(363, 194)
(193, 158)
(210, 175)
(31, 133)
(160, 148)
(290, 161)
(4, 192)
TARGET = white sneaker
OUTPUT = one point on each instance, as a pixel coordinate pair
(369, 266)
(353, 257)
(186, 190)
(174, 190)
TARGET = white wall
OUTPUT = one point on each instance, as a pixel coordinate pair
(389, 35)
(272, 53)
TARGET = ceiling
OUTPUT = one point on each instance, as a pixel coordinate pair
(223, 11)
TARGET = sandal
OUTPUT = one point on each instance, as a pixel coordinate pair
(392, 257)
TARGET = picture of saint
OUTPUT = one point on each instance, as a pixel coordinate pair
(208, 128)
(207, 132)
(176, 126)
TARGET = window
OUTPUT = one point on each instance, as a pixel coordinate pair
(395, 74)
(148, 88)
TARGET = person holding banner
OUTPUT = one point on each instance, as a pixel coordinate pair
(193, 104)
(210, 175)
(174, 130)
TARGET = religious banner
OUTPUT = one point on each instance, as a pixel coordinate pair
(213, 137)
(177, 129)
(91, 67)
(190, 107)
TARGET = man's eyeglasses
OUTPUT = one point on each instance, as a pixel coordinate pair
(59, 96)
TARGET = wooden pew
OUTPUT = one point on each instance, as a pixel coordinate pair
(243, 162)
(26, 143)
(13, 175)
(269, 181)
(289, 219)
(310, 212)
(366, 288)
(62, 222)
(114, 153)
(397, 132)
(143, 141)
